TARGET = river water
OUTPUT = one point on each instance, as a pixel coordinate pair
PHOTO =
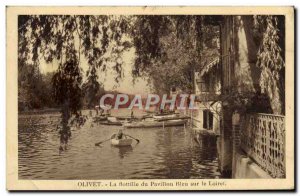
(169, 153)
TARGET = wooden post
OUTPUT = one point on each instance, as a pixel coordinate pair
(236, 132)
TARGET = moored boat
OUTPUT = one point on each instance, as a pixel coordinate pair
(100, 118)
(122, 118)
(111, 123)
(125, 141)
(150, 124)
(112, 118)
(173, 118)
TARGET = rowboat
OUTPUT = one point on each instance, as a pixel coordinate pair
(125, 141)
(132, 117)
(173, 118)
(112, 118)
(150, 124)
(163, 116)
(100, 118)
(124, 117)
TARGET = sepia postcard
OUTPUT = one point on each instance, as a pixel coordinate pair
(150, 98)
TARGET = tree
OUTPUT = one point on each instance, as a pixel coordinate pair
(93, 91)
(173, 70)
(34, 89)
(170, 48)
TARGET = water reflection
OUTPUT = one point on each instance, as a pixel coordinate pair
(124, 150)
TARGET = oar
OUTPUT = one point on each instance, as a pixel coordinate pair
(137, 140)
(97, 144)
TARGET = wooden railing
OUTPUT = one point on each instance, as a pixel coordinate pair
(263, 139)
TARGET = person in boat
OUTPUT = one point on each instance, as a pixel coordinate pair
(120, 134)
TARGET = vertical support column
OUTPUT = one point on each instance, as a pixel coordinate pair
(236, 134)
(225, 143)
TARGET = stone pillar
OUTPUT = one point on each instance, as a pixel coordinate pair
(225, 143)
(236, 136)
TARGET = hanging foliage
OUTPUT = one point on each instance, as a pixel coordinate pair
(67, 39)
(270, 59)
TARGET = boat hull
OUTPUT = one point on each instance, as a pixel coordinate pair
(164, 116)
(111, 123)
(100, 118)
(155, 124)
(121, 142)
